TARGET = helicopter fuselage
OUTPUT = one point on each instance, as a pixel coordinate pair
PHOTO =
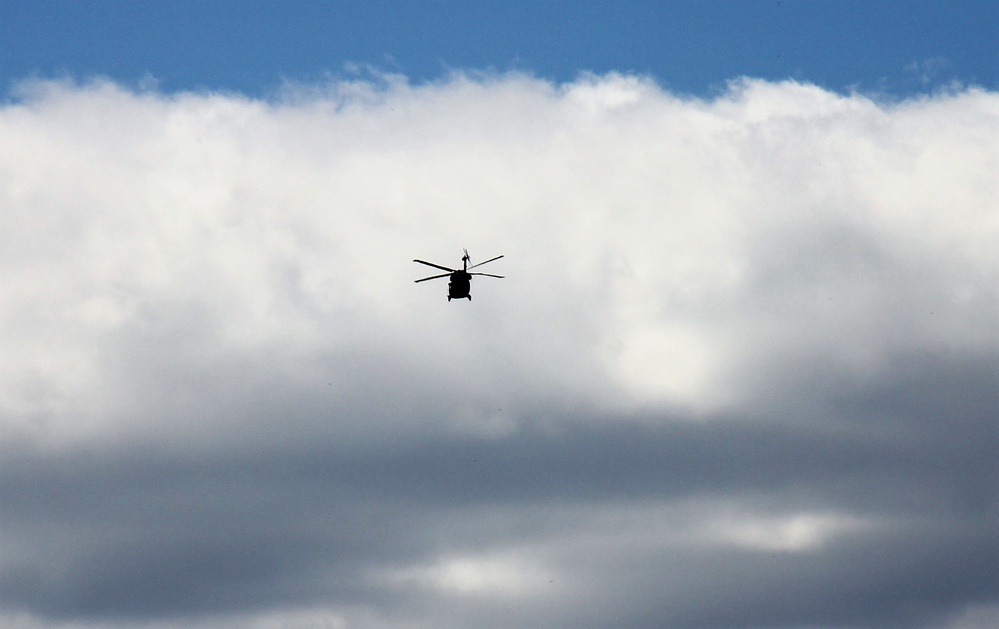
(458, 286)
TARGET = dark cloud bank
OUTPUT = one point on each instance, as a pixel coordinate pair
(144, 533)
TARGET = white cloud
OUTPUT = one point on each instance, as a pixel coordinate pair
(475, 576)
(208, 283)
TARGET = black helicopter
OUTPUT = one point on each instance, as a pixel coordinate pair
(458, 285)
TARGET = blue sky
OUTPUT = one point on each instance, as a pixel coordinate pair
(739, 372)
(897, 47)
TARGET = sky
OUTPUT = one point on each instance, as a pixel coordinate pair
(742, 370)
(898, 47)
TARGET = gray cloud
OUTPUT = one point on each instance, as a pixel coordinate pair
(742, 371)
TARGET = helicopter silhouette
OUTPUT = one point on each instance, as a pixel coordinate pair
(458, 285)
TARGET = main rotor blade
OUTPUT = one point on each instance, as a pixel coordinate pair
(487, 275)
(486, 262)
(433, 277)
(436, 266)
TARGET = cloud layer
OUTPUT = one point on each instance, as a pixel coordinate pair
(743, 370)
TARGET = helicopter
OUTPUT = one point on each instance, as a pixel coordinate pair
(458, 284)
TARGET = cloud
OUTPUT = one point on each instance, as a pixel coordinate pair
(741, 371)
(927, 71)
